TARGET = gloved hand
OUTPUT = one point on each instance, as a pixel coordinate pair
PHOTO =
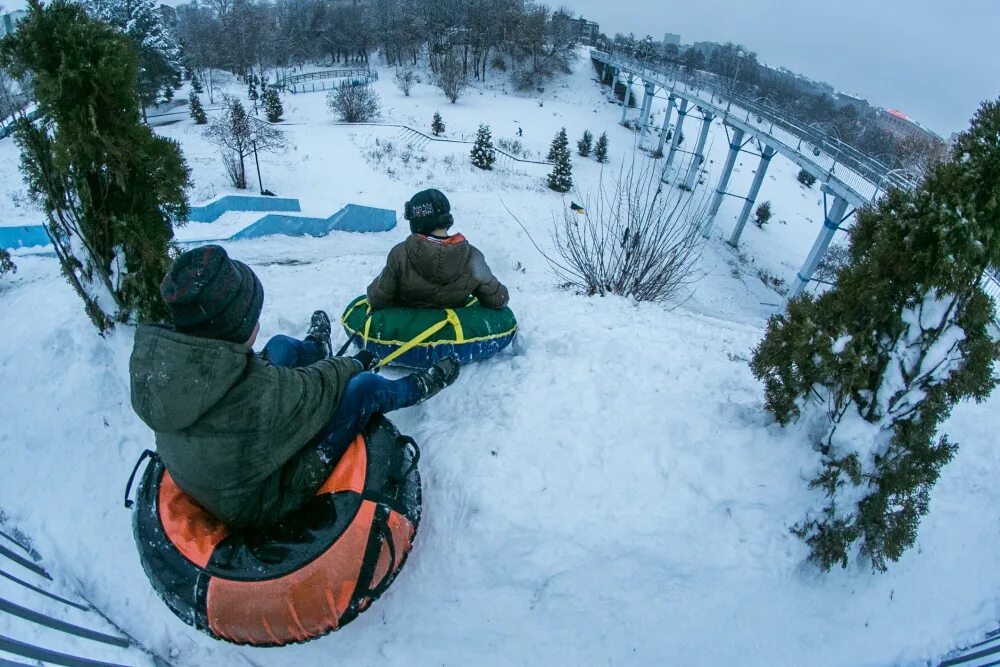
(367, 360)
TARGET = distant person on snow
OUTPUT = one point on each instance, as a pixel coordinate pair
(432, 269)
(251, 438)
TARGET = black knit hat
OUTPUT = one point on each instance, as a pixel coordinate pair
(212, 296)
(428, 210)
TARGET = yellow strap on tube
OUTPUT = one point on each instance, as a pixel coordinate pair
(368, 326)
(452, 318)
(421, 337)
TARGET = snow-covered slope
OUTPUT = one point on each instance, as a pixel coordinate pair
(610, 491)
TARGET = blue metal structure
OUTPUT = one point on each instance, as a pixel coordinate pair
(23, 237)
(351, 218)
(212, 211)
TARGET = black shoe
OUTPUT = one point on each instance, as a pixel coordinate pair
(436, 378)
(319, 332)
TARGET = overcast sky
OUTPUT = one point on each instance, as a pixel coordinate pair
(934, 60)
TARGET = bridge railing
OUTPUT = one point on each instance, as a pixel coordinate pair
(870, 177)
(297, 83)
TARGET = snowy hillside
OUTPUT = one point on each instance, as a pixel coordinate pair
(609, 491)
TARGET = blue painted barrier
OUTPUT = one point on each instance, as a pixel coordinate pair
(351, 218)
(213, 210)
(23, 237)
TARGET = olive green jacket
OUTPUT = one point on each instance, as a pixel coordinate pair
(231, 428)
(425, 272)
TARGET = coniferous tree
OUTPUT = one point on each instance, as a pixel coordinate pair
(483, 152)
(437, 125)
(601, 149)
(158, 51)
(196, 110)
(561, 178)
(584, 145)
(273, 108)
(883, 356)
(763, 214)
(252, 94)
(110, 188)
(6, 264)
(196, 83)
(805, 178)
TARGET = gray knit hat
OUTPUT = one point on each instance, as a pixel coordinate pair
(213, 296)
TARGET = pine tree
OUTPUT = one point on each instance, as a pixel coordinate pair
(437, 125)
(6, 264)
(601, 149)
(585, 144)
(483, 153)
(159, 52)
(882, 357)
(252, 91)
(561, 178)
(763, 214)
(273, 108)
(196, 83)
(110, 188)
(196, 110)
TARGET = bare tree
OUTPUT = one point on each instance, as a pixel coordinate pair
(404, 78)
(354, 103)
(238, 135)
(450, 78)
(636, 237)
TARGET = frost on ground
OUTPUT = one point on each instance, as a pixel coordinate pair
(610, 492)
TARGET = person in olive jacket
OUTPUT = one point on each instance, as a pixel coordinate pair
(251, 438)
(432, 269)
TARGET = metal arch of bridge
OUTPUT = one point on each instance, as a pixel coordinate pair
(844, 172)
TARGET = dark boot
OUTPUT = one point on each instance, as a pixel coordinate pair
(436, 378)
(319, 332)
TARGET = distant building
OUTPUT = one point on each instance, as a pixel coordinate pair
(671, 38)
(10, 21)
(899, 124)
(586, 32)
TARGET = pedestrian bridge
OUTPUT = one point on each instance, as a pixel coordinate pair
(850, 176)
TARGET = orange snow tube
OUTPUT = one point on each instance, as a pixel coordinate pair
(312, 573)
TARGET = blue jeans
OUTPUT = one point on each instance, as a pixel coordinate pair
(365, 394)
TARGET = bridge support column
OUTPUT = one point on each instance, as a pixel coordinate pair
(830, 226)
(699, 151)
(647, 104)
(735, 143)
(681, 113)
(672, 102)
(626, 96)
(765, 160)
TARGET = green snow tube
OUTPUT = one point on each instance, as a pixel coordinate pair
(420, 337)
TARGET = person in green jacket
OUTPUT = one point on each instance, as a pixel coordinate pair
(251, 438)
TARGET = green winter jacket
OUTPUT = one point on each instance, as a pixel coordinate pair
(231, 428)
